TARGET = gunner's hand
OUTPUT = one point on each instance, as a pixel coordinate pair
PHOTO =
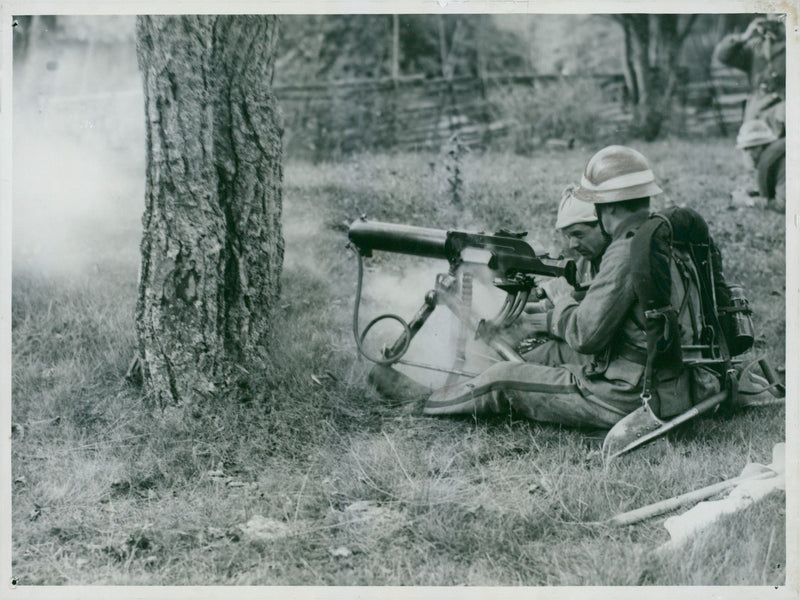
(536, 323)
(557, 288)
(538, 307)
(753, 30)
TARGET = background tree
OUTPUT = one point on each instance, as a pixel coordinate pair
(212, 250)
(317, 47)
(652, 50)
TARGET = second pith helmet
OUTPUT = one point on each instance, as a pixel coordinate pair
(754, 133)
(615, 174)
(572, 211)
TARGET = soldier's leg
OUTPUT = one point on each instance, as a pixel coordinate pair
(778, 203)
(555, 353)
(541, 393)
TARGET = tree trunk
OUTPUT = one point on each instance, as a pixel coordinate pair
(395, 47)
(676, 38)
(212, 249)
(442, 46)
(647, 116)
(652, 48)
(667, 43)
(480, 46)
(627, 65)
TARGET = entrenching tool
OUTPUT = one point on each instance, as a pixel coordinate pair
(642, 425)
(777, 389)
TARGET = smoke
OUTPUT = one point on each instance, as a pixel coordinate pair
(79, 176)
(78, 148)
(402, 292)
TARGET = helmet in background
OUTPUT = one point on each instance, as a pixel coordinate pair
(754, 133)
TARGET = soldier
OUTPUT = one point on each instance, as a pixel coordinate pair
(577, 220)
(761, 53)
(766, 152)
(608, 324)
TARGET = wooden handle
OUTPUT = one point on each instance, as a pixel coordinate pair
(651, 510)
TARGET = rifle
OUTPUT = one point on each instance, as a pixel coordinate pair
(513, 262)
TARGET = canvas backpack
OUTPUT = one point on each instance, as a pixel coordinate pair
(676, 242)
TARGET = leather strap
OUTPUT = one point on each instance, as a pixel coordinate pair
(630, 352)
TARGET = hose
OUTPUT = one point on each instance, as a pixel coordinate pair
(360, 338)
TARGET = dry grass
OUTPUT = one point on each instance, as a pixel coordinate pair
(367, 492)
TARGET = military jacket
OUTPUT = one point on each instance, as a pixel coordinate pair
(609, 324)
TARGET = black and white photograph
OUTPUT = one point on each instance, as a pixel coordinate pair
(434, 295)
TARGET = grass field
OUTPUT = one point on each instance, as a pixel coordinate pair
(314, 479)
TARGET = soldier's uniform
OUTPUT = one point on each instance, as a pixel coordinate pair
(555, 352)
(607, 325)
(764, 60)
(771, 174)
(769, 151)
(571, 212)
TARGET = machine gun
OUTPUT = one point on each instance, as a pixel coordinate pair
(513, 262)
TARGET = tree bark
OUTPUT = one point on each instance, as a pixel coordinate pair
(212, 250)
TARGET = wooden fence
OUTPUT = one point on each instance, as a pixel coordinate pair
(406, 113)
(326, 119)
(716, 104)
(333, 118)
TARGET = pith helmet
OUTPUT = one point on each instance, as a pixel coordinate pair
(615, 174)
(754, 133)
(572, 211)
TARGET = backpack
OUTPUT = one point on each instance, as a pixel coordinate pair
(678, 374)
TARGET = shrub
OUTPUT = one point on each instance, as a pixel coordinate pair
(339, 122)
(567, 110)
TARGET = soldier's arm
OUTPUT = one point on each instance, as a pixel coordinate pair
(589, 326)
(734, 51)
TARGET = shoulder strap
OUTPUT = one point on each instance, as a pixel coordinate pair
(651, 256)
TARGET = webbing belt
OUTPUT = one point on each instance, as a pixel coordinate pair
(639, 355)
(632, 353)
